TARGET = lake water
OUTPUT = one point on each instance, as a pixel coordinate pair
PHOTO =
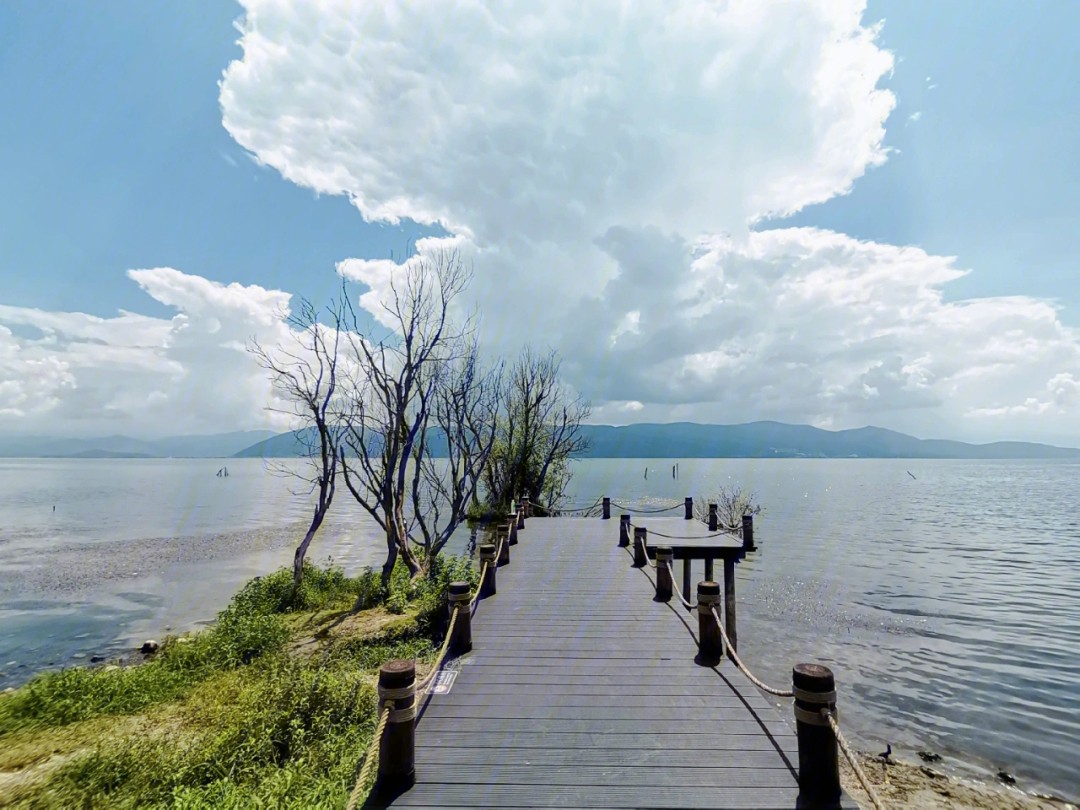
(946, 603)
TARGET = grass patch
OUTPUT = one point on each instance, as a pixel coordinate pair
(232, 716)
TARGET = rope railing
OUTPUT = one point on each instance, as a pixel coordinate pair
(647, 511)
(429, 679)
(825, 713)
(419, 692)
(850, 756)
(583, 509)
(738, 662)
(677, 591)
(371, 757)
(476, 596)
(687, 536)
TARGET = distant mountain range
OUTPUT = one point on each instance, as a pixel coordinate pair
(752, 440)
(672, 440)
(219, 445)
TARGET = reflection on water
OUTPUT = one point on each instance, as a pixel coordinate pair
(946, 602)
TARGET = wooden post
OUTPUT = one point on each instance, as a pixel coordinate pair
(709, 569)
(513, 529)
(664, 561)
(710, 643)
(607, 508)
(397, 748)
(487, 584)
(748, 533)
(624, 531)
(457, 598)
(729, 603)
(640, 539)
(525, 503)
(688, 505)
(686, 577)
(502, 535)
(819, 765)
(714, 521)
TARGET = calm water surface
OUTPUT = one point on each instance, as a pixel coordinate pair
(946, 603)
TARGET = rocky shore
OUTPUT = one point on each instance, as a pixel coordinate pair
(904, 784)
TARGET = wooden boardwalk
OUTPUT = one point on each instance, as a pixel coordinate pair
(582, 692)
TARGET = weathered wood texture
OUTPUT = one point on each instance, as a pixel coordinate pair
(581, 691)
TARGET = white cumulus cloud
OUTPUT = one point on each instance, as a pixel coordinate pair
(67, 373)
(604, 164)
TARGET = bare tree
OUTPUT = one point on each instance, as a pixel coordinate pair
(732, 503)
(539, 432)
(463, 416)
(424, 375)
(305, 375)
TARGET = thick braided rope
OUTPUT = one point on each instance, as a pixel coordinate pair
(371, 757)
(476, 596)
(647, 511)
(562, 510)
(676, 591)
(742, 666)
(645, 547)
(688, 537)
(828, 715)
(429, 679)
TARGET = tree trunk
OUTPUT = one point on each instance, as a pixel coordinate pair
(301, 550)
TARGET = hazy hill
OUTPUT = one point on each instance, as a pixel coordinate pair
(779, 440)
(219, 445)
(752, 440)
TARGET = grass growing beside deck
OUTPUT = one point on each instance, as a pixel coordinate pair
(271, 707)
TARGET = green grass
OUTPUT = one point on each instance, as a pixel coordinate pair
(230, 717)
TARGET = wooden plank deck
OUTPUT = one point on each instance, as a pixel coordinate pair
(582, 692)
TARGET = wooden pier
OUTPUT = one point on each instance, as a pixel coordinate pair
(582, 690)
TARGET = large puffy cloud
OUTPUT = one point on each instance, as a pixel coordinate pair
(603, 164)
(73, 374)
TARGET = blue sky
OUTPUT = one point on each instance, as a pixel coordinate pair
(114, 157)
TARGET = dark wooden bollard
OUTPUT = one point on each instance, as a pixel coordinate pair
(513, 529)
(487, 584)
(397, 748)
(521, 516)
(624, 530)
(729, 603)
(710, 643)
(688, 506)
(526, 513)
(664, 560)
(748, 533)
(714, 521)
(640, 558)
(607, 508)
(819, 765)
(502, 537)
(457, 598)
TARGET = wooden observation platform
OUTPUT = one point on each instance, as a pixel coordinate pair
(582, 689)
